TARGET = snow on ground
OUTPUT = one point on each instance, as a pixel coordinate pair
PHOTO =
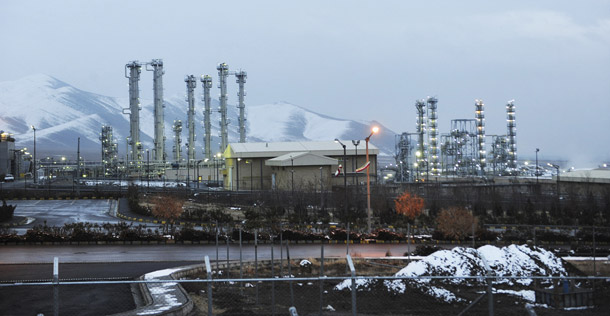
(507, 261)
(165, 295)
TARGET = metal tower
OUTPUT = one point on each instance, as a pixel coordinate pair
(459, 148)
(177, 140)
(241, 80)
(191, 83)
(403, 149)
(109, 151)
(480, 121)
(223, 73)
(157, 68)
(420, 154)
(206, 82)
(498, 154)
(135, 68)
(433, 137)
(511, 136)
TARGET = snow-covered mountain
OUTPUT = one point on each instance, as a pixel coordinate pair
(62, 113)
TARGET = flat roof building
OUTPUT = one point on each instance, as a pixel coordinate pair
(294, 165)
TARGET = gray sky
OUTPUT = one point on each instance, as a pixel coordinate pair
(365, 60)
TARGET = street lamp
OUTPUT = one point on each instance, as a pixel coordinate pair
(368, 180)
(537, 150)
(344, 173)
(218, 168)
(557, 168)
(292, 177)
(355, 165)
(34, 171)
(238, 160)
(147, 170)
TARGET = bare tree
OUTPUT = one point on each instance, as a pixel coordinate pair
(455, 222)
(167, 208)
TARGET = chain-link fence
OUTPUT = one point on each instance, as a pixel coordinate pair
(307, 287)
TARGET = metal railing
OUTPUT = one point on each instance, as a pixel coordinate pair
(202, 290)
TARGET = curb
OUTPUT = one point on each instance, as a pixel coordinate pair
(155, 304)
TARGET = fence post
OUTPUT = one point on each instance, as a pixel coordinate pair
(217, 261)
(289, 274)
(208, 270)
(321, 275)
(352, 270)
(272, 282)
(56, 286)
(281, 251)
(256, 261)
(488, 278)
(241, 274)
(227, 268)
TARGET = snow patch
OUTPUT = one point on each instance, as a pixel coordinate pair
(513, 260)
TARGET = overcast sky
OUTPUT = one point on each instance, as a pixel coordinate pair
(364, 60)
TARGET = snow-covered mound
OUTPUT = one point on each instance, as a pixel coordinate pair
(521, 261)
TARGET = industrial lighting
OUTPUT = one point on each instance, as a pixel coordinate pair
(374, 130)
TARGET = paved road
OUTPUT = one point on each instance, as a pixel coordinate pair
(59, 212)
(143, 253)
(74, 299)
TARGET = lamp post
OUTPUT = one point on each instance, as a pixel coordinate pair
(238, 160)
(368, 180)
(356, 143)
(34, 170)
(344, 174)
(198, 180)
(147, 170)
(251, 174)
(557, 168)
(292, 177)
(537, 150)
(218, 168)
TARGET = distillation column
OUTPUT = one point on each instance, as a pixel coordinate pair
(433, 136)
(241, 80)
(109, 150)
(177, 140)
(403, 147)
(511, 136)
(223, 73)
(159, 140)
(480, 121)
(206, 82)
(135, 68)
(191, 83)
(420, 154)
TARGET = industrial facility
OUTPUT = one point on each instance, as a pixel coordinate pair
(464, 151)
(424, 155)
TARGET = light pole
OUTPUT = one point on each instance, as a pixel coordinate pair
(198, 177)
(356, 143)
(344, 174)
(251, 174)
(368, 180)
(147, 170)
(537, 150)
(238, 160)
(292, 177)
(218, 168)
(557, 168)
(34, 170)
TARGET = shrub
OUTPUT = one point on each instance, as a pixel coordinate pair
(341, 234)
(6, 211)
(425, 250)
